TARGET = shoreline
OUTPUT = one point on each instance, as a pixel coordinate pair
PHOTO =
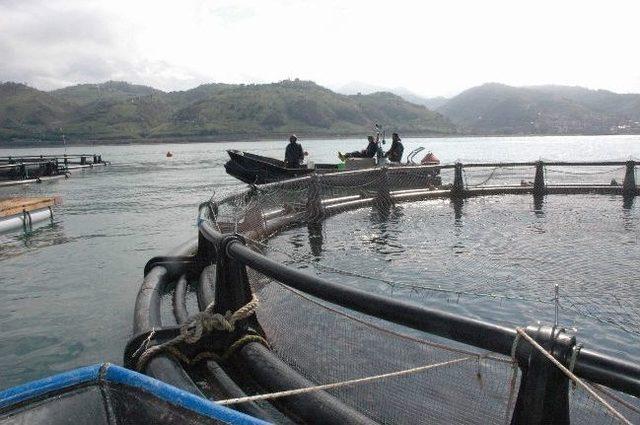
(257, 137)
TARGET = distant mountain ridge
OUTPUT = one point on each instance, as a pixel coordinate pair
(356, 87)
(498, 109)
(119, 110)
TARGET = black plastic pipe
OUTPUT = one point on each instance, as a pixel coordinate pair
(317, 407)
(474, 332)
(599, 368)
(147, 316)
(180, 300)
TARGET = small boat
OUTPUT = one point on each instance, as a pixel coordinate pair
(109, 394)
(169, 154)
(257, 169)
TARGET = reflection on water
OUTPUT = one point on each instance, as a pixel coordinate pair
(43, 234)
(315, 239)
(628, 202)
(538, 203)
(498, 245)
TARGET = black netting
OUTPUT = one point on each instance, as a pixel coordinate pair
(327, 344)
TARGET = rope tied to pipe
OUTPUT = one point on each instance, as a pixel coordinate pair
(579, 382)
(194, 328)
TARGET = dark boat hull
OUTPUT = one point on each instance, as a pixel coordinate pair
(256, 169)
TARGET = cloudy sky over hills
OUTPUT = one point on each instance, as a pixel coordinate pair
(431, 48)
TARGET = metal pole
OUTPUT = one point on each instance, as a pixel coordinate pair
(557, 301)
(629, 185)
(458, 181)
(538, 183)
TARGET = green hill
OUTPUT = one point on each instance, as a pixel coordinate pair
(500, 109)
(116, 110)
(84, 94)
(29, 113)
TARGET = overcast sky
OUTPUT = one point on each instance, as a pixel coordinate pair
(430, 48)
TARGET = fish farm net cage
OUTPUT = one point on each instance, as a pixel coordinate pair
(222, 318)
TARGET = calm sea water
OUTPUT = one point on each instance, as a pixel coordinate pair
(67, 290)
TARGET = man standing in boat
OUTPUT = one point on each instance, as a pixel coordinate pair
(369, 152)
(394, 154)
(294, 155)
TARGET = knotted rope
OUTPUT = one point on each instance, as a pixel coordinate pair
(193, 329)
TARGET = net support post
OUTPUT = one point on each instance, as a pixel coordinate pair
(629, 189)
(315, 212)
(206, 253)
(458, 181)
(232, 289)
(543, 396)
(538, 182)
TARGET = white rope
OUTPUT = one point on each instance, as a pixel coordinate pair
(573, 377)
(306, 390)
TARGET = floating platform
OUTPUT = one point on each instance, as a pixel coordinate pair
(15, 170)
(23, 213)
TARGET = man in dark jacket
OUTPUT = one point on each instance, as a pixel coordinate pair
(294, 154)
(368, 152)
(394, 154)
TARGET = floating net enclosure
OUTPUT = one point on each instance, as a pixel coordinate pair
(289, 338)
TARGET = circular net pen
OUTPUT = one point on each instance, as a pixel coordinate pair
(223, 318)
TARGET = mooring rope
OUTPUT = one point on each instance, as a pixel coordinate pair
(193, 329)
(617, 399)
(306, 390)
(571, 376)
(485, 180)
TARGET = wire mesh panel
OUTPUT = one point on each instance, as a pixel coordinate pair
(499, 176)
(328, 344)
(586, 409)
(603, 175)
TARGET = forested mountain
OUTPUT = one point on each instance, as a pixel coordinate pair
(502, 110)
(118, 110)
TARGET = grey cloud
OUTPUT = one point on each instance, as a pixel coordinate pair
(51, 44)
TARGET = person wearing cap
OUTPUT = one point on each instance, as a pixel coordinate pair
(394, 154)
(368, 152)
(293, 154)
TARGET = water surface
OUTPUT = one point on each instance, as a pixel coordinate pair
(68, 289)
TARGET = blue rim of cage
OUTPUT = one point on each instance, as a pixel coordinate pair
(108, 373)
